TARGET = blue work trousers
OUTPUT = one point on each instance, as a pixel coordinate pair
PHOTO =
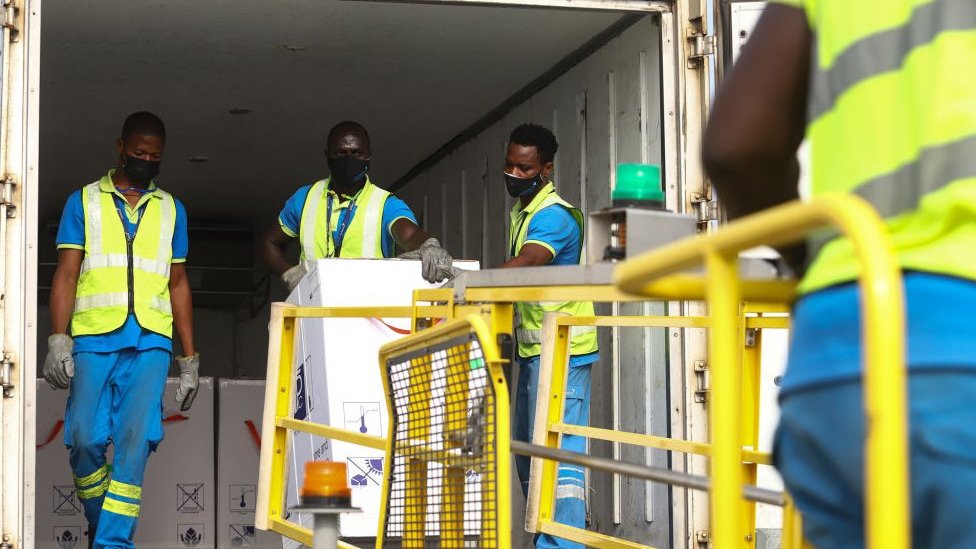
(819, 450)
(115, 398)
(571, 482)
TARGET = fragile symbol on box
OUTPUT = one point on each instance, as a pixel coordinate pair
(242, 535)
(67, 537)
(365, 471)
(242, 498)
(189, 535)
(65, 502)
(363, 417)
(189, 497)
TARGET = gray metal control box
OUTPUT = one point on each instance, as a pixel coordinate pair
(616, 233)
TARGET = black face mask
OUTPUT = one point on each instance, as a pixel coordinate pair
(140, 171)
(518, 186)
(347, 171)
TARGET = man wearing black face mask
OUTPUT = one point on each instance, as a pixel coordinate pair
(121, 288)
(346, 215)
(547, 230)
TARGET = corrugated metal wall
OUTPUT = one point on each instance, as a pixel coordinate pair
(604, 111)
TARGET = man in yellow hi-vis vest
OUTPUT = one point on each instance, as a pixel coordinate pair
(547, 230)
(120, 287)
(346, 215)
(887, 96)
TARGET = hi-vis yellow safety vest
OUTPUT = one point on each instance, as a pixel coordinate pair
(892, 118)
(364, 236)
(118, 275)
(529, 330)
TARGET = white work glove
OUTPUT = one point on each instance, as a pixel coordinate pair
(293, 276)
(436, 263)
(189, 380)
(59, 366)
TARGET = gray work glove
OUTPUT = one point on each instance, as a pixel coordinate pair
(293, 276)
(189, 380)
(59, 366)
(436, 263)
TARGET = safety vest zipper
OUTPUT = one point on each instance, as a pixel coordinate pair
(130, 275)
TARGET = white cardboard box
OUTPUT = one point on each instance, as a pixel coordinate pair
(337, 374)
(178, 489)
(238, 403)
(59, 518)
(177, 504)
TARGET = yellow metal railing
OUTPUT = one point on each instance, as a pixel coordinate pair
(277, 424)
(886, 464)
(548, 430)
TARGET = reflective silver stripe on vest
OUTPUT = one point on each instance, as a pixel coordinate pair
(95, 301)
(886, 51)
(161, 304)
(167, 226)
(372, 224)
(900, 191)
(564, 491)
(93, 220)
(99, 261)
(309, 219)
(935, 167)
(534, 337)
(121, 261)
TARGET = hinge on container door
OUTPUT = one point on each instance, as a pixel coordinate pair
(7, 196)
(702, 381)
(700, 46)
(8, 19)
(706, 211)
(751, 335)
(7, 375)
(702, 538)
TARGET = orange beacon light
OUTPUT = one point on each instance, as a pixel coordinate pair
(325, 494)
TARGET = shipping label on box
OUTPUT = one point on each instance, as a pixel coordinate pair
(177, 496)
(240, 404)
(337, 375)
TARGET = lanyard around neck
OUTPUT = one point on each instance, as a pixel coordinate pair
(345, 220)
(140, 209)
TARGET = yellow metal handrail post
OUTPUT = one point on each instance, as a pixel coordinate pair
(886, 457)
(751, 347)
(556, 407)
(725, 422)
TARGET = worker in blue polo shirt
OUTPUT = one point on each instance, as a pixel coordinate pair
(346, 215)
(547, 230)
(121, 287)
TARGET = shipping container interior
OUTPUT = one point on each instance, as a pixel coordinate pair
(248, 90)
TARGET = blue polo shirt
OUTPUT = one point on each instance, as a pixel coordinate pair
(826, 342)
(71, 234)
(290, 218)
(556, 230)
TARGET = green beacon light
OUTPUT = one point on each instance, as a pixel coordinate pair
(638, 186)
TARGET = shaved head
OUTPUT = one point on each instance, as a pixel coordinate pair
(345, 132)
(143, 123)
